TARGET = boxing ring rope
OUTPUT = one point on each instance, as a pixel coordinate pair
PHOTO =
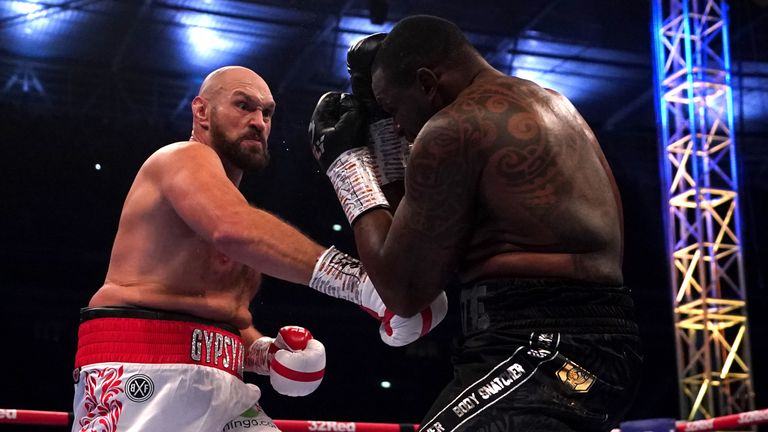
(55, 418)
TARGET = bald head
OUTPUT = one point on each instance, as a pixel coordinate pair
(228, 77)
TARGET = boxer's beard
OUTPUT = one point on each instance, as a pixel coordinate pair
(250, 159)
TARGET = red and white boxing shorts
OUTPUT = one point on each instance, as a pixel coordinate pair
(143, 370)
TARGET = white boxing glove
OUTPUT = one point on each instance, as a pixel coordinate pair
(339, 275)
(294, 361)
(394, 329)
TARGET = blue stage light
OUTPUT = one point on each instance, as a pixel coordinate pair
(204, 40)
(31, 17)
(209, 41)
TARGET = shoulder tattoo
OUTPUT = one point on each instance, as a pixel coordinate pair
(522, 155)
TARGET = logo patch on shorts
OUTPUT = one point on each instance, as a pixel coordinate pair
(139, 388)
(575, 377)
(252, 411)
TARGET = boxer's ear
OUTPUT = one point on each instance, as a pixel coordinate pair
(200, 111)
(427, 81)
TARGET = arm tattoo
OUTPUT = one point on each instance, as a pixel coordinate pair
(437, 184)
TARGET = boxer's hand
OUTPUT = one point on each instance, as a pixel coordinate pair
(294, 361)
(390, 150)
(339, 275)
(337, 125)
(359, 61)
(337, 138)
(394, 329)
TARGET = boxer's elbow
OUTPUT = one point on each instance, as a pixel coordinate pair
(405, 299)
(408, 307)
(400, 305)
(405, 309)
(234, 236)
(405, 290)
(227, 239)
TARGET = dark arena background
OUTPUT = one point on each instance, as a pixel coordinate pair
(90, 88)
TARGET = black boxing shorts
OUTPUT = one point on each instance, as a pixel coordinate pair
(540, 355)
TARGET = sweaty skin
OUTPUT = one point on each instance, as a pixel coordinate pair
(188, 241)
(504, 180)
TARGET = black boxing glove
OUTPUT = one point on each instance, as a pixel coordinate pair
(390, 150)
(359, 61)
(337, 138)
(337, 125)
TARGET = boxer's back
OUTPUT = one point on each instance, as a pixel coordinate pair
(547, 204)
(159, 262)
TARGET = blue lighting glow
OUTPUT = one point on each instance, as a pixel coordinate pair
(31, 17)
(695, 164)
(662, 117)
(579, 72)
(351, 30)
(730, 111)
(33, 27)
(661, 106)
(205, 41)
(749, 90)
(729, 99)
(25, 8)
(362, 26)
(208, 40)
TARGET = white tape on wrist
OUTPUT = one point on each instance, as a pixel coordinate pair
(258, 358)
(354, 180)
(390, 151)
(338, 275)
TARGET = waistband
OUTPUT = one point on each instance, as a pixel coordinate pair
(134, 335)
(555, 305)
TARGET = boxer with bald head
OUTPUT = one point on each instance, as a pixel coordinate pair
(164, 342)
(203, 233)
(509, 201)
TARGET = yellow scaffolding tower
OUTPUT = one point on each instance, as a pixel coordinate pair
(700, 182)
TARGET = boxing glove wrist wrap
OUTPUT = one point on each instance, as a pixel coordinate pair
(354, 180)
(258, 358)
(338, 275)
(390, 151)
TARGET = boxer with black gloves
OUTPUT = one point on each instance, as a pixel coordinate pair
(508, 199)
(336, 131)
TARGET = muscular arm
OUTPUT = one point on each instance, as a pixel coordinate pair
(394, 192)
(412, 255)
(249, 335)
(192, 179)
